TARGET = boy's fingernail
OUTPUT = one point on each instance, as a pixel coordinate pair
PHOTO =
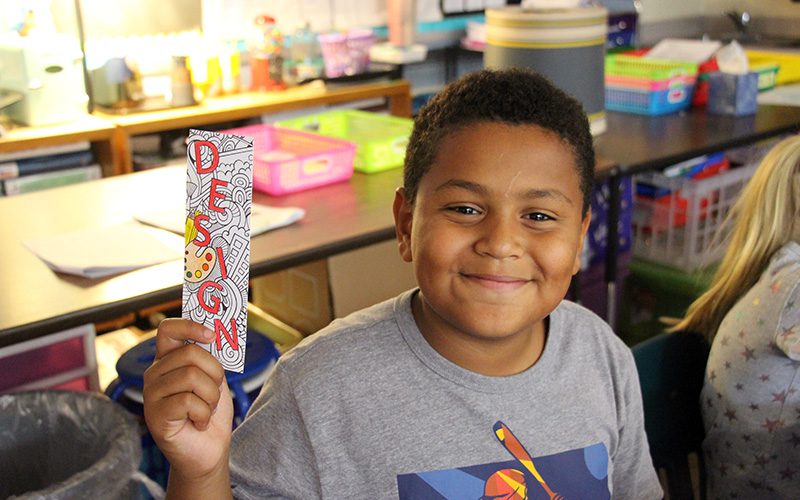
(208, 334)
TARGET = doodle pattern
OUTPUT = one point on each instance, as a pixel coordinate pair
(217, 257)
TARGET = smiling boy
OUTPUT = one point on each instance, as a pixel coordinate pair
(483, 381)
(494, 232)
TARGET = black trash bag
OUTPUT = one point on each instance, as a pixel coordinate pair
(60, 444)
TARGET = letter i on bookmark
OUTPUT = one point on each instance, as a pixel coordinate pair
(216, 269)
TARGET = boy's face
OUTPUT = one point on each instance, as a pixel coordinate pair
(496, 232)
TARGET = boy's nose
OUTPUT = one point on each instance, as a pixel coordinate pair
(499, 238)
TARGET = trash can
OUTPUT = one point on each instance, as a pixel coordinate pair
(60, 444)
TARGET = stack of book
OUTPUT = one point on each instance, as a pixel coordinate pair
(42, 168)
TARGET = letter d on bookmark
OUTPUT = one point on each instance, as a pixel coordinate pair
(216, 264)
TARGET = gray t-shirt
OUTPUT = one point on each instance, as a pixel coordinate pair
(366, 408)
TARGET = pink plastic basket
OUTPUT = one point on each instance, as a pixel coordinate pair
(287, 161)
(651, 85)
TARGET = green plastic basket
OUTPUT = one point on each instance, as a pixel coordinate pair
(381, 139)
(651, 69)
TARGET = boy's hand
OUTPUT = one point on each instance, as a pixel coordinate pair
(187, 405)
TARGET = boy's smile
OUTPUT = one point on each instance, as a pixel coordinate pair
(495, 236)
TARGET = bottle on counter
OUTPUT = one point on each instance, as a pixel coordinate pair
(230, 65)
(181, 79)
(266, 56)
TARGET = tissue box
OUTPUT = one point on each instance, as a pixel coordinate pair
(732, 94)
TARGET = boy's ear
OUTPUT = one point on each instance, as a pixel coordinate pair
(403, 214)
(584, 229)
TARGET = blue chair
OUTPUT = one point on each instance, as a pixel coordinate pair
(126, 389)
(260, 355)
(671, 369)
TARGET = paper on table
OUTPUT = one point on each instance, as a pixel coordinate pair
(782, 95)
(680, 49)
(99, 252)
(262, 218)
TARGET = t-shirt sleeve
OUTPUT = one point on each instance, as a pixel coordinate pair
(634, 474)
(271, 454)
(787, 336)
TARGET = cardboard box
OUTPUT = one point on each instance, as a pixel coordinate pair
(367, 276)
(310, 296)
(299, 296)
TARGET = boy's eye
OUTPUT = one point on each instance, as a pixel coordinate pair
(466, 210)
(538, 217)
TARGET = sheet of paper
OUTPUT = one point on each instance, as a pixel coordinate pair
(262, 218)
(782, 95)
(100, 252)
(219, 194)
(681, 49)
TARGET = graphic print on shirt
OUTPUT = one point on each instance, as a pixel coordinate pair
(579, 473)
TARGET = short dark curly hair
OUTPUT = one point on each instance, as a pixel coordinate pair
(515, 96)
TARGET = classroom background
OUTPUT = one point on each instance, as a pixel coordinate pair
(97, 98)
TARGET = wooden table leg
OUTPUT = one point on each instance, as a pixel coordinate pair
(121, 152)
(104, 153)
(400, 103)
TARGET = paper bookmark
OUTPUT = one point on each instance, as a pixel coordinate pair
(219, 193)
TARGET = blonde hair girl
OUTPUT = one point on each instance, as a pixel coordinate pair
(766, 217)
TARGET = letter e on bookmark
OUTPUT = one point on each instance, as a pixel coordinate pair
(216, 264)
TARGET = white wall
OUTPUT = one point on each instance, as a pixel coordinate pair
(690, 18)
(178, 15)
(662, 10)
(103, 18)
(227, 18)
(756, 8)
